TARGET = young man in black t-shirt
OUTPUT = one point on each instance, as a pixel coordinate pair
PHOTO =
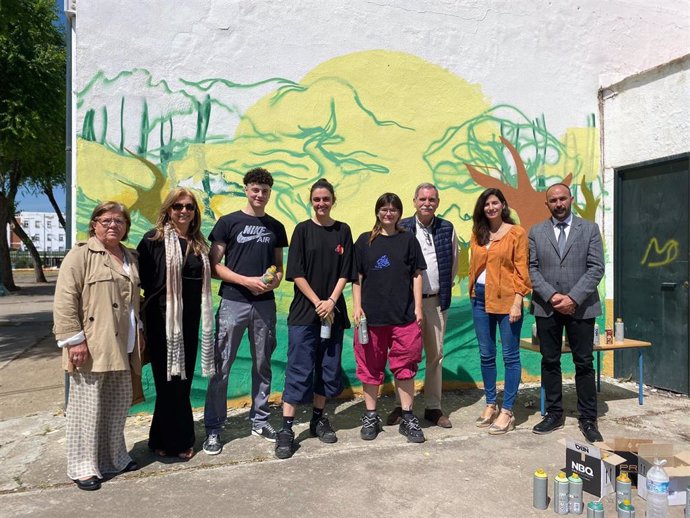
(244, 244)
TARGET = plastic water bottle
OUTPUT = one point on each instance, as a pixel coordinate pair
(325, 329)
(657, 491)
(619, 331)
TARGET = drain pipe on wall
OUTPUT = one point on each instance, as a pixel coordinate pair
(70, 137)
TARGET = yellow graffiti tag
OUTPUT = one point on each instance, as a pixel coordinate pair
(666, 254)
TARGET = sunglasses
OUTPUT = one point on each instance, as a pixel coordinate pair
(179, 206)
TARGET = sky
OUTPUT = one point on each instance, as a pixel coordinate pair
(39, 202)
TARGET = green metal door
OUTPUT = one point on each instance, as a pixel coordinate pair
(651, 270)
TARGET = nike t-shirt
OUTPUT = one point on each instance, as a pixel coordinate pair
(250, 244)
(387, 267)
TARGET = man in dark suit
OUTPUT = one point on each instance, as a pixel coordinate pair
(566, 264)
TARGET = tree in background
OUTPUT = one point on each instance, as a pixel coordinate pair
(32, 107)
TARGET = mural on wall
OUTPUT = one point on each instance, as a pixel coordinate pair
(369, 122)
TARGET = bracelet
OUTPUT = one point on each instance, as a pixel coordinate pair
(333, 301)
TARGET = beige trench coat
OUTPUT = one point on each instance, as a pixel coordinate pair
(95, 295)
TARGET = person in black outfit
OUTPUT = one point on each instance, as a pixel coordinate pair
(320, 263)
(173, 265)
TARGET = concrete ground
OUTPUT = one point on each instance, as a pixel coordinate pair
(458, 472)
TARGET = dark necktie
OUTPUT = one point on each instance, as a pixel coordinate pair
(561, 238)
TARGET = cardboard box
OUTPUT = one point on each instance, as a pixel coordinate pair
(596, 467)
(677, 467)
(627, 448)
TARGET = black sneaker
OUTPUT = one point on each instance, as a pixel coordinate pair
(212, 444)
(371, 426)
(284, 443)
(410, 428)
(267, 432)
(322, 429)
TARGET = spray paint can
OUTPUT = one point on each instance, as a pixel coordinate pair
(560, 494)
(540, 489)
(595, 341)
(623, 487)
(626, 509)
(363, 331)
(595, 510)
(269, 274)
(535, 335)
(619, 331)
(575, 494)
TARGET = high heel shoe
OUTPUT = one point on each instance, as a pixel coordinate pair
(500, 430)
(483, 420)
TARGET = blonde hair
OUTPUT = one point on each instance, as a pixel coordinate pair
(197, 241)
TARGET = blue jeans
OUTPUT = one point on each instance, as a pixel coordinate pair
(485, 327)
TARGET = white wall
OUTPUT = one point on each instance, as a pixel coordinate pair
(648, 115)
(547, 57)
(645, 117)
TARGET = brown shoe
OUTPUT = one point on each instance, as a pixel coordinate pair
(394, 417)
(435, 416)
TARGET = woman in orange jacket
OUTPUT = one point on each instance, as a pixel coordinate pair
(499, 279)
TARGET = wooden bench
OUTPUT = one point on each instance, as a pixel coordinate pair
(628, 343)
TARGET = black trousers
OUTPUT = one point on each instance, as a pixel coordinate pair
(580, 335)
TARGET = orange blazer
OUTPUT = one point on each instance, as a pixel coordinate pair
(506, 269)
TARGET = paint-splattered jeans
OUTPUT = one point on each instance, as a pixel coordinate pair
(232, 319)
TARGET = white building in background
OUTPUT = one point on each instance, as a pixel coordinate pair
(44, 230)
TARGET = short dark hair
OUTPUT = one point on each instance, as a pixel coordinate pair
(561, 184)
(258, 175)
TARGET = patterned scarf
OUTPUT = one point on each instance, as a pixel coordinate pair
(173, 309)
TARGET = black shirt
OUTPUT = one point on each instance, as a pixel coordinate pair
(387, 266)
(152, 271)
(322, 256)
(250, 244)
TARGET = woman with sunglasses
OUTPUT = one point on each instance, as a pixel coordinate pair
(174, 267)
(95, 317)
(389, 295)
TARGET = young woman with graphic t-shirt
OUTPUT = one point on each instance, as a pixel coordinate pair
(389, 294)
(320, 263)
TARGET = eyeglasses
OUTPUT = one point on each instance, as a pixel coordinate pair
(179, 206)
(388, 211)
(107, 222)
